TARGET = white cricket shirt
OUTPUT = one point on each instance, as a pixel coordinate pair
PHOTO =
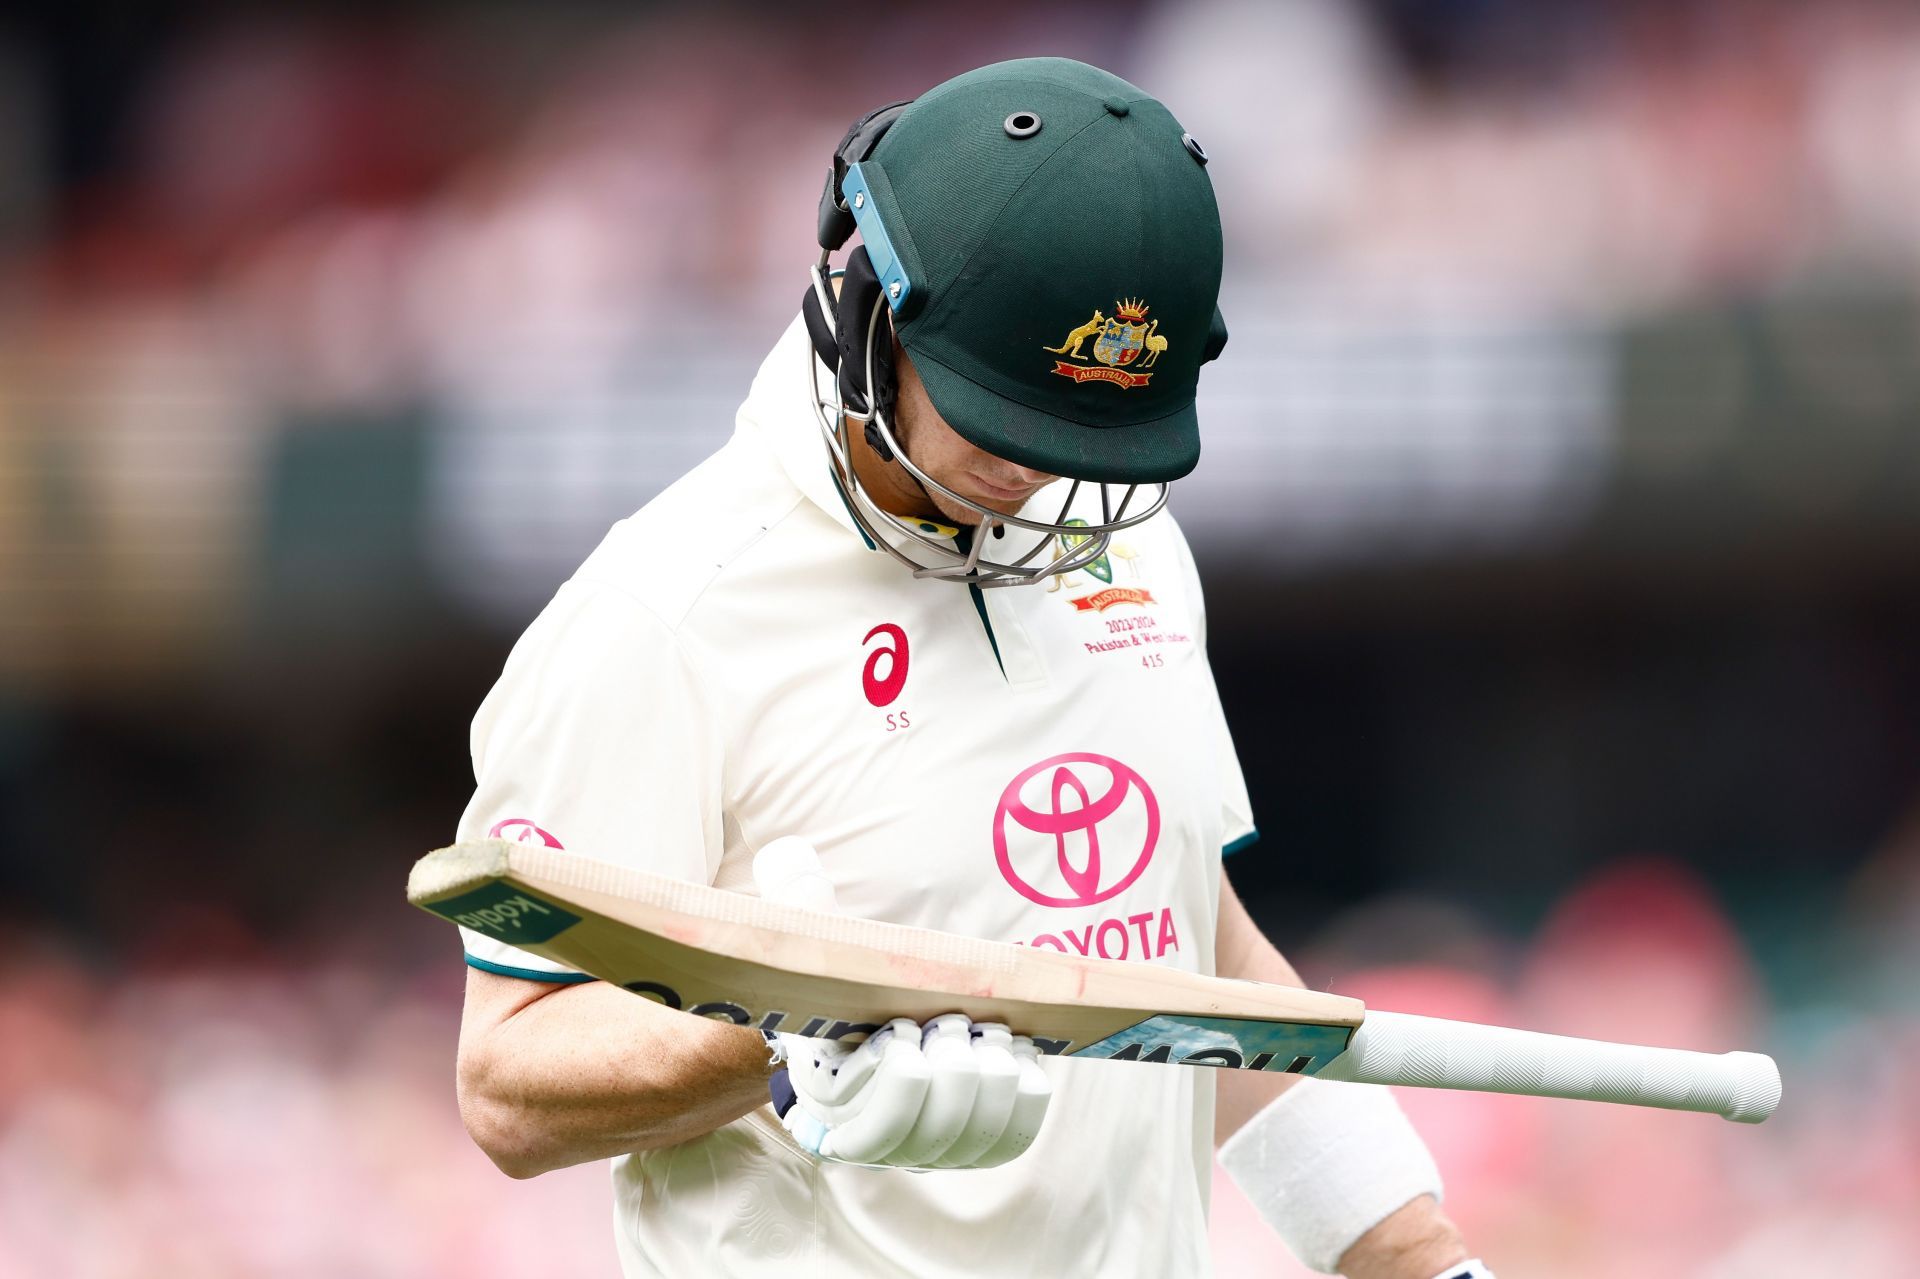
(1041, 764)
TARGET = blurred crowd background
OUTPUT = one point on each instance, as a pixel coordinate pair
(1560, 519)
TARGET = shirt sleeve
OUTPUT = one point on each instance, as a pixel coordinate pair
(1237, 827)
(599, 738)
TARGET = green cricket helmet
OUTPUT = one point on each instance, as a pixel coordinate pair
(1043, 240)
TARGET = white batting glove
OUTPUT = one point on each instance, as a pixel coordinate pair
(953, 1093)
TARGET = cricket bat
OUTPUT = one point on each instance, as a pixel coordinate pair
(774, 967)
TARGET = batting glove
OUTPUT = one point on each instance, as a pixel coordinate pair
(953, 1093)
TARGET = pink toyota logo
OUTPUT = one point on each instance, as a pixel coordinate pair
(522, 831)
(1071, 808)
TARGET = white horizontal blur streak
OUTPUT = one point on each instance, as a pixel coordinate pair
(1335, 431)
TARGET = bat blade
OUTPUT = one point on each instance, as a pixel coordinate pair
(772, 967)
(737, 958)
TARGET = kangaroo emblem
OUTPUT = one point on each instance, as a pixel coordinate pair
(1120, 341)
(1078, 337)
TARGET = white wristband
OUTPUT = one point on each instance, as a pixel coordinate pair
(1326, 1163)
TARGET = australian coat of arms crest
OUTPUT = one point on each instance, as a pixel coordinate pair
(1124, 346)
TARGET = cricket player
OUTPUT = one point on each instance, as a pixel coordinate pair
(925, 611)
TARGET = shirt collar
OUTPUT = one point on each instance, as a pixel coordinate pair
(778, 416)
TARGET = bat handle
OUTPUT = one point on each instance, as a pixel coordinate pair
(1429, 1052)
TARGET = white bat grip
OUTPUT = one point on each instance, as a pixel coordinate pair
(1428, 1052)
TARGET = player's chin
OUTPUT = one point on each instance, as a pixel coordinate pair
(963, 516)
(983, 497)
(1000, 506)
(1000, 503)
(966, 518)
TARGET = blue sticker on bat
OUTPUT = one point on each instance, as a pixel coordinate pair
(1233, 1043)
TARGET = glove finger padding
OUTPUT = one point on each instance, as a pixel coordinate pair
(947, 1046)
(999, 1076)
(953, 1094)
(884, 1111)
(1035, 1090)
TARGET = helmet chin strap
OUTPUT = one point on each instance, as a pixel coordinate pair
(887, 449)
(1079, 542)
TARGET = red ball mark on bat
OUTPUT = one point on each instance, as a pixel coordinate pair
(882, 690)
(1083, 881)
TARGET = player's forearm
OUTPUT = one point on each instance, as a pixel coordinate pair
(589, 1071)
(1416, 1242)
(1241, 950)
